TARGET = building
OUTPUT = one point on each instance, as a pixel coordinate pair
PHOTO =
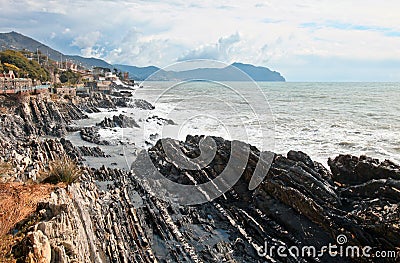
(87, 77)
(126, 76)
(83, 91)
(65, 90)
(110, 76)
(8, 81)
(103, 87)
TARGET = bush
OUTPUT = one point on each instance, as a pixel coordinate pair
(6, 169)
(63, 170)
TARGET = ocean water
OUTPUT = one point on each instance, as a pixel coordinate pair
(320, 119)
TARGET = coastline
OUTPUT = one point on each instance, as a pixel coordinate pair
(111, 214)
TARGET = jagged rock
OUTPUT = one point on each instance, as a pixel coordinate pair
(68, 227)
(77, 153)
(160, 120)
(347, 169)
(92, 151)
(38, 116)
(118, 121)
(298, 192)
(110, 216)
(35, 247)
(99, 100)
(142, 104)
(90, 134)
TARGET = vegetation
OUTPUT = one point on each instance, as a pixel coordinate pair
(63, 170)
(11, 67)
(17, 202)
(5, 169)
(70, 77)
(23, 67)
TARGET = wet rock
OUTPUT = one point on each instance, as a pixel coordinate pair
(142, 104)
(111, 216)
(347, 169)
(76, 153)
(90, 134)
(298, 193)
(118, 121)
(160, 120)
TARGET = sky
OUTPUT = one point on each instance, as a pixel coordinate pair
(308, 40)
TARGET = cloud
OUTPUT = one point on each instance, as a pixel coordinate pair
(217, 51)
(137, 49)
(87, 43)
(274, 33)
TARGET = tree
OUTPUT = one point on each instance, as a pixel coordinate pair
(70, 77)
(26, 67)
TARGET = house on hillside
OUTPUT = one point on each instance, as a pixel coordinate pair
(8, 81)
(110, 76)
(65, 90)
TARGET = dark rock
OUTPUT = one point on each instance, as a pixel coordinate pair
(142, 104)
(297, 202)
(160, 120)
(347, 169)
(118, 121)
(90, 134)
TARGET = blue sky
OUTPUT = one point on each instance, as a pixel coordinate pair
(307, 40)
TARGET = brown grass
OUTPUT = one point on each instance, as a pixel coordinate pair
(17, 202)
(6, 169)
(63, 170)
(4, 110)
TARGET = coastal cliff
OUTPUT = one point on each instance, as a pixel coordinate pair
(109, 216)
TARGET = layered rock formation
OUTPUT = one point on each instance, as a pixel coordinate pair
(112, 218)
(121, 121)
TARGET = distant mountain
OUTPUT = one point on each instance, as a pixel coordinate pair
(17, 41)
(90, 62)
(259, 73)
(229, 73)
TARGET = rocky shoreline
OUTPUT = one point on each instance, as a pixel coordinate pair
(109, 216)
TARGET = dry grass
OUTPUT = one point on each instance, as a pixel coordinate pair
(17, 202)
(6, 169)
(62, 170)
(4, 110)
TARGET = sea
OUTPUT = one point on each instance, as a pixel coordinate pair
(320, 119)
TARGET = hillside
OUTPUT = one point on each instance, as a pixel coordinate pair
(17, 41)
(22, 67)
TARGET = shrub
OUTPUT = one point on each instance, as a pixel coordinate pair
(63, 170)
(6, 169)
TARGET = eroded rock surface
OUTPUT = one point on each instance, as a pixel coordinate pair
(299, 203)
(110, 216)
(121, 121)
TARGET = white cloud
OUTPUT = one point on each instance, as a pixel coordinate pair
(218, 51)
(87, 43)
(276, 33)
(136, 49)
